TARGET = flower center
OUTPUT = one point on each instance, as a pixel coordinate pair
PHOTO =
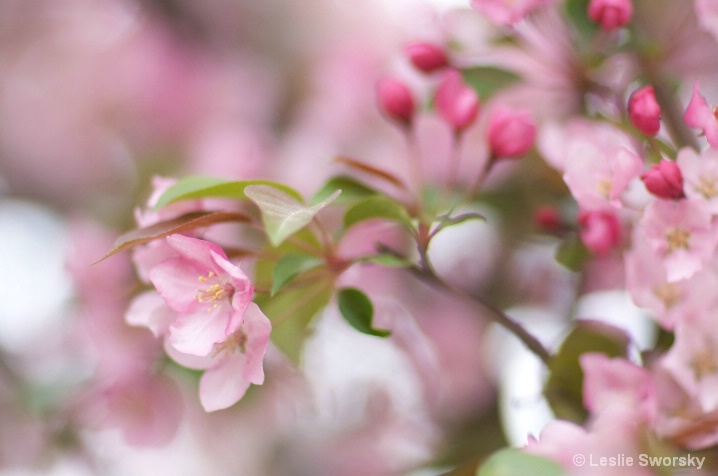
(603, 187)
(677, 238)
(213, 293)
(707, 187)
(703, 364)
(235, 342)
(668, 293)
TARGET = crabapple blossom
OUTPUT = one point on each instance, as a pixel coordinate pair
(700, 175)
(598, 176)
(707, 14)
(233, 364)
(610, 14)
(427, 57)
(664, 180)
(395, 100)
(208, 292)
(644, 111)
(600, 230)
(456, 102)
(511, 132)
(699, 115)
(681, 234)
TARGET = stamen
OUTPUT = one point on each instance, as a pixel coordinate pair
(603, 187)
(668, 293)
(707, 187)
(677, 238)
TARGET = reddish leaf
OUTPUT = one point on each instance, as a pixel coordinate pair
(373, 171)
(180, 224)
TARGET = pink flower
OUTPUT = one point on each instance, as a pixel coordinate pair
(644, 111)
(600, 230)
(664, 180)
(395, 100)
(680, 234)
(426, 57)
(616, 381)
(209, 293)
(699, 115)
(599, 173)
(511, 132)
(610, 14)
(507, 12)
(456, 102)
(700, 175)
(707, 14)
(233, 364)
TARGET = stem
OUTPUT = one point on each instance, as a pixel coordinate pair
(454, 157)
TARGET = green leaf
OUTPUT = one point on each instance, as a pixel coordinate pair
(514, 462)
(564, 387)
(181, 224)
(577, 13)
(201, 186)
(573, 254)
(288, 267)
(487, 80)
(292, 312)
(387, 259)
(352, 190)
(377, 207)
(358, 311)
(282, 214)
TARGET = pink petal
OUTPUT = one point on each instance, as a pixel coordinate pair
(149, 310)
(198, 252)
(196, 333)
(177, 282)
(223, 385)
(257, 328)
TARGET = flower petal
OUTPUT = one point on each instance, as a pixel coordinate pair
(223, 385)
(196, 333)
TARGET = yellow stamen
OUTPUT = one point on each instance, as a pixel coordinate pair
(707, 187)
(668, 293)
(703, 363)
(603, 187)
(677, 238)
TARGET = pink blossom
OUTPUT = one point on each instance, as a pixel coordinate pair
(699, 115)
(233, 364)
(598, 174)
(457, 103)
(680, 234)
(209, 293)
(395, 100)
(664, 180)
(507, 12)
(668, 302)
(600, 230)
(427, 57)
(700, 175)
(707, 14)
(511, 132)
(644, 110)
(610, 14)
(616, 381)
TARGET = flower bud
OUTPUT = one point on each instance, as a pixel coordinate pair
(610, 14)
(664, 180)
(600, 230)
(547, 218)
(456, 102)
(511, 133)
(644, 111)
(395, 100)
(426, 57)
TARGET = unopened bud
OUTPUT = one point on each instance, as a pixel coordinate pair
(511, 132)
(610, 14)
(548, 218)
(395, 100)
(456, 102)
(426, 57)
(600, 230)
(644, 111)
(664, 180)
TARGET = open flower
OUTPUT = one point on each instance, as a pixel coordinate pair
(233, 364)
(209, 293)
(699, 115)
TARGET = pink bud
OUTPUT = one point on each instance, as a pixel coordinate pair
(610, 14)
(664, 180)
(600, 230)
(511, 132)
(456, 102)
(644, 111)
(547, 218)
(426, 57)
(395, 100)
